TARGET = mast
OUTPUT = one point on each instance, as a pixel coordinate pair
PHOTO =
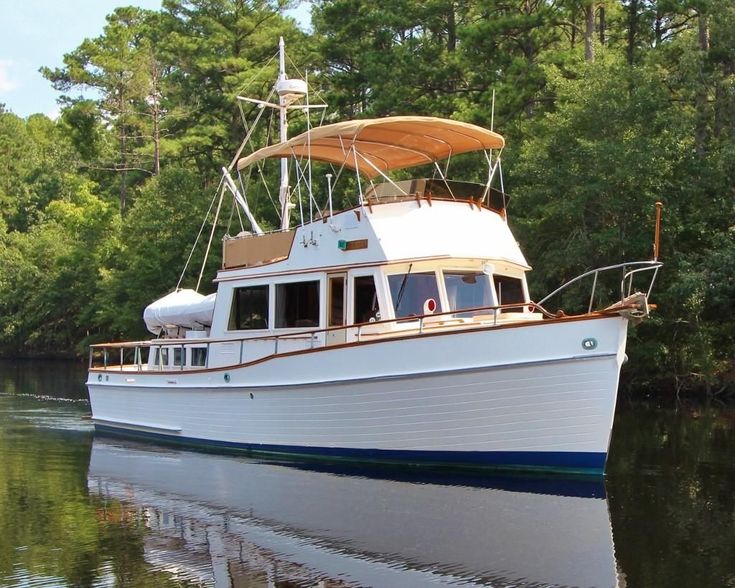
(283, 103)
(289, 91)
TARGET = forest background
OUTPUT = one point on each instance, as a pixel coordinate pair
(607, 107)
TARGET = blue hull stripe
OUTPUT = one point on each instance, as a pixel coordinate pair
(563, 461)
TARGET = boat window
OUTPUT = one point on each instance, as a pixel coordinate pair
(249, 308)
(199, 356)
(177, 355)
(509, 290)
(160, 356)
(410, 291)
(365, 299)
(467, 289)
(297, 305)
(336, 301)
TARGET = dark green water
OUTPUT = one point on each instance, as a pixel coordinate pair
(80, 510)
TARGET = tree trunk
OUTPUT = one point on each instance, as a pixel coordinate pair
(589, 32)
(700, 100)
(602, 25)
(123, 153)
(156, 116)
(632, 30)
(156, 142)
(451, 28)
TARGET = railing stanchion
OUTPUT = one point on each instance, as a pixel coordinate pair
(592, 294)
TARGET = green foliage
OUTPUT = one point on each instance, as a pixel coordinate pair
(51, 272)
(155, 241)
(588, 173)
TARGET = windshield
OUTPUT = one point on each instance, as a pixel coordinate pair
(467, 289)
(410, 291)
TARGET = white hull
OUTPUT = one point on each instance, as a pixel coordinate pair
(212, 518)
(529, 396)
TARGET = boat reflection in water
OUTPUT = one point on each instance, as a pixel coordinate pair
(218, 519)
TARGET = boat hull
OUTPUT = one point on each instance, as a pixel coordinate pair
(531, 397)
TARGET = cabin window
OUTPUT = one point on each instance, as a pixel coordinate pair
(249, 308)
(336, 306)
(467, 290)
(365, 299)
(199, 356)
(410, 291)
(160, 356)
(297, 305)
(509, 290)
(178, 355)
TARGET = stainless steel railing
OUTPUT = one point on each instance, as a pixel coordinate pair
(626, 283)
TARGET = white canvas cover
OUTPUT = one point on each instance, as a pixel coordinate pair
(182, 308)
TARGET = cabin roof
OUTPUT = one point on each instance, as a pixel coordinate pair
(379, 145)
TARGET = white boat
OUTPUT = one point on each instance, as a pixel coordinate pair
(220, 519)
(399, 328)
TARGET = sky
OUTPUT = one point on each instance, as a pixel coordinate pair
(37, 33)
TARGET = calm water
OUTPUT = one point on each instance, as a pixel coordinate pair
(80, 510)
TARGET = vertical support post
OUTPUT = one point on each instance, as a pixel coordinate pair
(657, 236)
(592, 295)
(122, 358)
(329, 193)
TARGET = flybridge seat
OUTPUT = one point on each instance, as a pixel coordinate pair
(436, 188)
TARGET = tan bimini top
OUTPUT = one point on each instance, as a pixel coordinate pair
(382, 144)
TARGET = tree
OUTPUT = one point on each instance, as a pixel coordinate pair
(120, 65)
(215, 49)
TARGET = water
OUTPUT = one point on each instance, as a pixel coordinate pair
(80, 510)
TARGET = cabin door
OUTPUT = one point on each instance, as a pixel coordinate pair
(336, 308)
